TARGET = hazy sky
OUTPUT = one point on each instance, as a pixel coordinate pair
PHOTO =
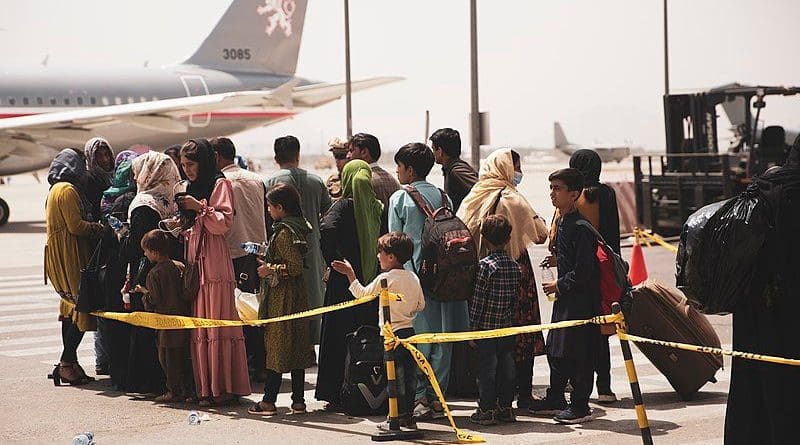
(596, 66)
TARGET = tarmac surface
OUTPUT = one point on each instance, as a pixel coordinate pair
(34, 411)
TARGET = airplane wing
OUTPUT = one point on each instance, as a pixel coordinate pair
(164, 114)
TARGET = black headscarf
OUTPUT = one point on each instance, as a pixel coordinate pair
(207, 174)
(70, 166)
(589, 163)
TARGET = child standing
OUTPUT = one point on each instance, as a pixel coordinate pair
(571, 352)
(164, 295)
(288, 344)
(493, 306)
(394, 250)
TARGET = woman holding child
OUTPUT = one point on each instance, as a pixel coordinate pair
(349, 231)
(496, 193)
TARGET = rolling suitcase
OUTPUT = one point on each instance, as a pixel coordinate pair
(661, 313)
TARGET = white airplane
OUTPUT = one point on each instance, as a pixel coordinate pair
(607, 152)
(242, 76)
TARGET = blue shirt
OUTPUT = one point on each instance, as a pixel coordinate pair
(405, 216)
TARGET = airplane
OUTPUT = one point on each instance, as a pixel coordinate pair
(607, 152)
(242, 76)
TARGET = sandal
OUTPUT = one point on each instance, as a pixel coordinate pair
(298, 408)
(168, 397)
(263, 409)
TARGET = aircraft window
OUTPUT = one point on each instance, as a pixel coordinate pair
(11, 101)
(66, 101)
(92, 100)
(52, 101)
(80, 101)
(117, 100)
(155, 98)
(105, 100)
(142, 99)
(131, 100)
(24, 101)
(39, 101)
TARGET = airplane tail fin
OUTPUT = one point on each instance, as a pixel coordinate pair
(260, 36)
(560, 138)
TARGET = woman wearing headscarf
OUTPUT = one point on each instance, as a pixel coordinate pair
(135, 365)
(598, 203)
(349, 231)
(100, 164)
(218, 355)
(67, 250)
(496, 193)
(117, 197)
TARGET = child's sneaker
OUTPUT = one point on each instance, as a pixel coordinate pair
(547, 406)
(505, 415)
(423, 410)
(572, 416)
(482, 417)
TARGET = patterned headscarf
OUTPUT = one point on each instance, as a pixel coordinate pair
(156, 176)
(102, 176)
(357, 184)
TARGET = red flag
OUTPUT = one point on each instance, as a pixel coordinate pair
(638, 269)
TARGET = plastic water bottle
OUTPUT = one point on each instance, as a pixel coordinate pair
(86, 438)
(547, 275)
(117, 225)
(194, 418)
(259, 249)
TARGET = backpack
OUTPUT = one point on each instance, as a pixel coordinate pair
(449, 258)
(614, 282)
(364, 390)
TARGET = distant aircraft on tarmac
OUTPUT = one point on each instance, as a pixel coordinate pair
(607, 152)
(242, 76)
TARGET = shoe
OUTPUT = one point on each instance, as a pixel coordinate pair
(482, 417)
(101, 370)
(437, 410)
(547, 407)
(505, 415)
(422, 410)
(524, 402)
(263, 409)
(571, 417)
(168, 397)
(606, 399)
(58, 376)
(298, 408)
(405, 423)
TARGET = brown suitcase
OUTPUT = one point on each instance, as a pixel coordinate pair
(661, 313)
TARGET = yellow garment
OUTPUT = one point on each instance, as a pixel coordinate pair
(496, 175)
(67, 250)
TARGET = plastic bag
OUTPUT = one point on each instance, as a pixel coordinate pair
(718, 254)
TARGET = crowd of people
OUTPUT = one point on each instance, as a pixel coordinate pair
(187, 211)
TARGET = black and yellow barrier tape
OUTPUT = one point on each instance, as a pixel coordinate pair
(648, 237)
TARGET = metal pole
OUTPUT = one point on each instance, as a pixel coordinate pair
(347, 93)
(474, 116)
(394, 432)
(641, 415)
(666, 51)
(427, 125)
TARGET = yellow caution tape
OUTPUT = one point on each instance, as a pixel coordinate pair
(655, 238)
(710, 350)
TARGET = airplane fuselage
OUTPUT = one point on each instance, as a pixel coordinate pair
(607, 153)
(46, 90)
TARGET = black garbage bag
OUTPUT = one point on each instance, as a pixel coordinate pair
(719, 251)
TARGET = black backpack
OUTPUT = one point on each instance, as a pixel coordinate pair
(449, 257)
(364, 390)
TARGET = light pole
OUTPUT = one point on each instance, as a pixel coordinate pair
(474, 116)
(348, 105)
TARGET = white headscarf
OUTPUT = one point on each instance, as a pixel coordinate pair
(497, 175)
(156, 175)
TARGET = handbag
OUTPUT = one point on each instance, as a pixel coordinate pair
(191, 273)
(90, 293)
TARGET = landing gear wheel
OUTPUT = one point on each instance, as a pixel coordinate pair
(4, 212)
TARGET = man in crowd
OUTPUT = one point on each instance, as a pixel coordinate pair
(315, 201)
(338, 149)
(459, 177)
(366, 147)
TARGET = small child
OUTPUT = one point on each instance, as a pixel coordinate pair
(571, 352)
(394, 250)
(164, 294)
(494, 306)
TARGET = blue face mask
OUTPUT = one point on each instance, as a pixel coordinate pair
(517, 178)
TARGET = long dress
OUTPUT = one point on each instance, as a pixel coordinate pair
(339, 240)
(288, 343)
(218, 355)
(68, 249)
(144, 373)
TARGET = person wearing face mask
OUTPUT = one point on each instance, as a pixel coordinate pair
(496, 193)
(459, 177)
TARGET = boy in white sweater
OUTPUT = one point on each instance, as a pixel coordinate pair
(394, 249)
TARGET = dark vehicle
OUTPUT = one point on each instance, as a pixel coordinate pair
(670, 187)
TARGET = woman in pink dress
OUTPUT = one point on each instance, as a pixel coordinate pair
(218, 354)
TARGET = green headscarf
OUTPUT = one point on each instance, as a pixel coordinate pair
(357, 185)
(121, 183)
